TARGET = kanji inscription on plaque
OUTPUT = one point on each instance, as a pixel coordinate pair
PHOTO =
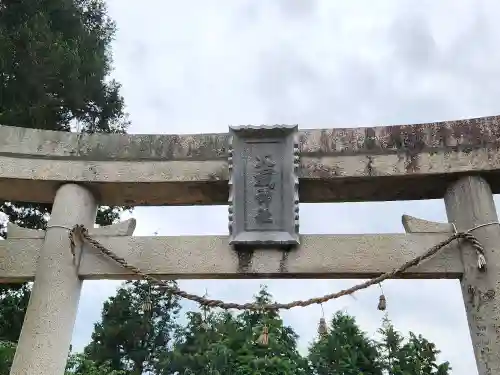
(263, 201)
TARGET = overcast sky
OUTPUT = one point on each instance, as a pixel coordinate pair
(199, 66)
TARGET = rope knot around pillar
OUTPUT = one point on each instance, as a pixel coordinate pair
(474, 242)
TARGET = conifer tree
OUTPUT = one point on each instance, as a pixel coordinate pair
(344, 350)
(136, 330)
(415, 355)
(226, 343)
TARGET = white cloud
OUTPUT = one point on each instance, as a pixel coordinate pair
(197, 66)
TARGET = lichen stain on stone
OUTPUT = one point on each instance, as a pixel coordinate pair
(412, 163)
(302, 141)
(158, 149)
(489, 295)
(93, 170)
(327, 143)
(443, 134)
(370, 170)
(221, 174)
(170, 147)
(409, 140)
(283, 262)
(370, 141)
(319, 170)
(207, 146)
(244, 260)
(477, 132)
(395, 139)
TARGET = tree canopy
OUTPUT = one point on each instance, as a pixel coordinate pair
(55, 64)
(137, 328)
(224, 343)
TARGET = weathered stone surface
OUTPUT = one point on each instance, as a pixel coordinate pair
(469, 204)
(45, 338)
(211, 257)
(416, 225)
(358, 164)
(123, 228)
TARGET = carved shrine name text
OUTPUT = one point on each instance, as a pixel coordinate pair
(264, 188)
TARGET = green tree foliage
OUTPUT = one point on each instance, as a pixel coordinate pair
(223, 343)
(54, 65)
(344, 350)
(13, 301)
(206, 345)
(216, 342)
(55, 60)
(415, 356)
(131, 337)
(79, 363)
(7, 351)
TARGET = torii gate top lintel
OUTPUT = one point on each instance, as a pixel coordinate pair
(339, 164)
(458, 161)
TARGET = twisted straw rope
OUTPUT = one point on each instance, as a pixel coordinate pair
(79, 231)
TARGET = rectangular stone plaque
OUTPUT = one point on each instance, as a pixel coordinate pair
(263, 186)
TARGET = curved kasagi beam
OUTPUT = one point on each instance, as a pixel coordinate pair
(340, 164)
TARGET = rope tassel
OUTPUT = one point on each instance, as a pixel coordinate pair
(481, 259)
(264, 337)
(204, 323)
(147, 305)
(382, 302)
(322, 328)
(481, 262)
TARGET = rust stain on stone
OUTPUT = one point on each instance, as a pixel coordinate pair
(245, 260)
(370, 141)
(325, 140)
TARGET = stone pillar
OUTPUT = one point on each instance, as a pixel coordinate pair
(469, 203)
(48, 326)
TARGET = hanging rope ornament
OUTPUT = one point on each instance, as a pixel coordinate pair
(204, 324)
(264, 336)
(322, 328)
(147, 305)
(382, 303)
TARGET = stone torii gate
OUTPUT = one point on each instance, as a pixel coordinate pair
(457, 160)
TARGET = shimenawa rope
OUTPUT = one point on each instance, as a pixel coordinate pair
(80, 232)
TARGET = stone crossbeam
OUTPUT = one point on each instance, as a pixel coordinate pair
(210, 257)
(358, 164)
